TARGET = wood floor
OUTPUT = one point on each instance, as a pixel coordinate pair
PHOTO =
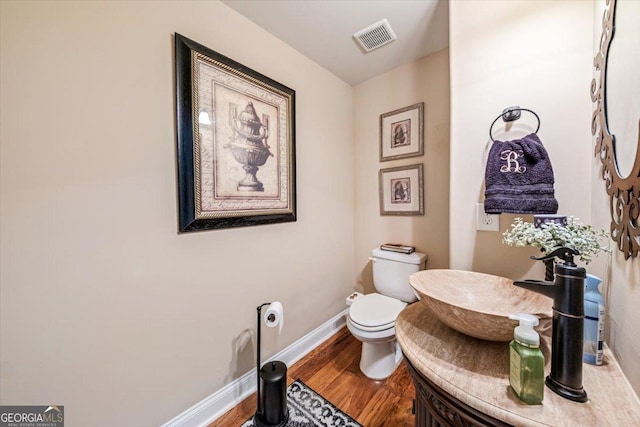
(332, 369)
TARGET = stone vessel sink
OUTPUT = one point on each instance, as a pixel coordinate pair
(478, 304)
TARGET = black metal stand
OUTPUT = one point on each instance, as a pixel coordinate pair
(272, 408)
(259, 410)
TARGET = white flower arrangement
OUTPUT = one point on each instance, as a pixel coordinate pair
(549, 236)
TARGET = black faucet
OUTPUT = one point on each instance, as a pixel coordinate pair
(567, 292)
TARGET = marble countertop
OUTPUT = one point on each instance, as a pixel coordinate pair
(476, 372)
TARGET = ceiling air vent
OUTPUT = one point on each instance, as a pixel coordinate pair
(375, 36)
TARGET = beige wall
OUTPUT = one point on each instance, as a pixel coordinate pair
(621, 278)
(426, 80)
(516, 53)
(537, 55)
(104, 307)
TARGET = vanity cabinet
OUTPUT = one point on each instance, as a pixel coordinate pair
(463, 381)
(435, 408)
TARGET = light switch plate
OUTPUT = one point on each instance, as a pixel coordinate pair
(486, 222)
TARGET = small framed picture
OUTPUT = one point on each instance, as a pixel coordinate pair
(401, 190)
(401, 133)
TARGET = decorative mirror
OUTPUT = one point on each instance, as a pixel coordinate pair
(616, 119)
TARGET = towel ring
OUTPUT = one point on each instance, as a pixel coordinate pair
(511, 114)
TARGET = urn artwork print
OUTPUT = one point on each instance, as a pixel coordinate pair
(236, 143)
(249, 144)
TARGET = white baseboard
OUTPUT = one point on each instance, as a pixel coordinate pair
(211, 408)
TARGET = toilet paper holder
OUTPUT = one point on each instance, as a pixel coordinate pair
(272, 410)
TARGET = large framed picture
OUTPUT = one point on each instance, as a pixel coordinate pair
(401, 133)
(236, 142)
(401, 190)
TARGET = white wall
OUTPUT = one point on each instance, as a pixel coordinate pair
(426, 80)
(105, 309)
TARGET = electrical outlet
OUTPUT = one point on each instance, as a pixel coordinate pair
(486, 222)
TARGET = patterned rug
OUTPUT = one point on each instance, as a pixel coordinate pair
(308, 409)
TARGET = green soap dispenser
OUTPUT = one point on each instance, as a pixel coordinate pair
(526, 362)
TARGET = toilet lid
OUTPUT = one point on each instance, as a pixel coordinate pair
(375, 310)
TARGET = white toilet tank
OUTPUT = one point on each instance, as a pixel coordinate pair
(391, 271)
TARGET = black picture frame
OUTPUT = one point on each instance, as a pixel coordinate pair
(225, 115)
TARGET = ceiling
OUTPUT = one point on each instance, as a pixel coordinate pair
(322, 30)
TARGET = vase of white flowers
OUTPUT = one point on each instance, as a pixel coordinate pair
(551, 235)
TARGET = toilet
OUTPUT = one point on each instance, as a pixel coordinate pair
(372, 317)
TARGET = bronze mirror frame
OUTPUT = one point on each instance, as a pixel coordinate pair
(624, 192)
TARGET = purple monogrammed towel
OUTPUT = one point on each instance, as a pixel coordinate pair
(519, 178)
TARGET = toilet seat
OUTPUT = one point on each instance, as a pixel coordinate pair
(375, 312)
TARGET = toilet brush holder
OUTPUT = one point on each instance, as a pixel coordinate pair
(271, 393)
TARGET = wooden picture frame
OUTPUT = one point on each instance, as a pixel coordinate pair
(402, 190)
(402, 133)
(235, 142)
